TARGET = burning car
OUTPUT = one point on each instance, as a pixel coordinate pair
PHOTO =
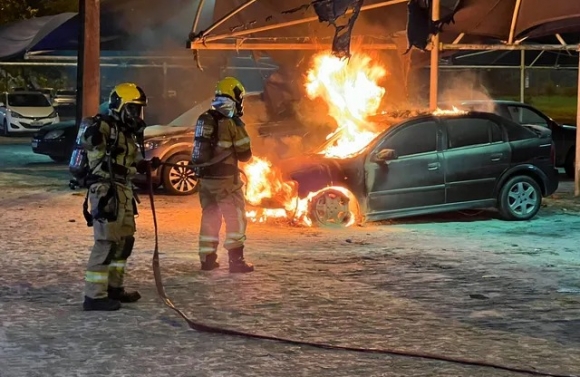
(429, 164)
(374, 168)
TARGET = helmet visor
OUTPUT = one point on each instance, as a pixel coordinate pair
(133, 110)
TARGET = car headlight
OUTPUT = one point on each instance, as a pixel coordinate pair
(53, 114)
(51, 135)
(14, 114)
(153, 144)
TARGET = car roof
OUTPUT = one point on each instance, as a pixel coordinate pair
(498, 101)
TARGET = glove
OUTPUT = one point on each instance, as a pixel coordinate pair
(142, 166)
(155, 163)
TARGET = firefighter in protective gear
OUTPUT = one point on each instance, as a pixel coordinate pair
(113, 159)
(218, 131)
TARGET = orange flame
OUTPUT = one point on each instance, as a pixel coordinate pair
(350, 89)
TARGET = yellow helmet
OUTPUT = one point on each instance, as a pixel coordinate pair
(125, 94)
(231, 87)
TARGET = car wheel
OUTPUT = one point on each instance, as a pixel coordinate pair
(59, 159)
(520, 198)
(333, 207)
(570, 164)
(5, 131)
(179, 180)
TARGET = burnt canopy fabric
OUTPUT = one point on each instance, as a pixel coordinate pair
(483, 18)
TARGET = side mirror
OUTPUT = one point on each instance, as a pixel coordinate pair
(384, 155)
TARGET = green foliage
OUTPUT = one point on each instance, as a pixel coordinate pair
(15, 10)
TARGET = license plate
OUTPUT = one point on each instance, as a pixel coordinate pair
(36, 124)
(34, 144)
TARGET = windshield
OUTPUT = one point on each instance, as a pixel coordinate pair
(66, 93)
(27, 100)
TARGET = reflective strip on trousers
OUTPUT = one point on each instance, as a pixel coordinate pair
(234, 237)
(118, 265)
(97, 277)
(209, 239)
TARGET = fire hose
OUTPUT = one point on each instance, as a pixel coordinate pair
(198, 326)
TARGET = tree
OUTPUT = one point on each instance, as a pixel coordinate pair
(15, 10)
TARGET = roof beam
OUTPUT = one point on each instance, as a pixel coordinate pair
(198, 40)
(515, 17)
(458, 39)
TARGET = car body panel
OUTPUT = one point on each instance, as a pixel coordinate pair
(564, 136)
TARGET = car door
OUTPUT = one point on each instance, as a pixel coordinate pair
(414, 179)
(475, 156)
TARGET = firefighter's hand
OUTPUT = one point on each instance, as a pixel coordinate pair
(155, 163)
(142, 166)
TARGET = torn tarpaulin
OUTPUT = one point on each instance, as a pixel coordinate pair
(329, 11)
(420, 25)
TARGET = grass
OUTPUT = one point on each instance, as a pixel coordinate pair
(561, 108)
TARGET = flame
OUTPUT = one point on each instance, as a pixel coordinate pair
(454, 111)
(350, 89)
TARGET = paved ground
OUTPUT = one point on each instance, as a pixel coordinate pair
(463, 285)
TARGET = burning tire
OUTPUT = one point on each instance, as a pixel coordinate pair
(333, 207)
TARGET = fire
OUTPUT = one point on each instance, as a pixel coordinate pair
(350, 89)
(454, 111)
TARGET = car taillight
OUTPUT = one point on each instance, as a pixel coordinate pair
(553, 154)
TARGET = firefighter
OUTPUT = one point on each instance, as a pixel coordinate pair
(113, 159)
(220, 131)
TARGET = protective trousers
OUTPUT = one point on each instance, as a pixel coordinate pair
(114, 240)
(221, 198)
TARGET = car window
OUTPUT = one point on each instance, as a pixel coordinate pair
(27, 100)
(464, 132)
(525, 115)
(66, 93)
(414, 139)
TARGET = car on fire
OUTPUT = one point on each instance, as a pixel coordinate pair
(430, 164)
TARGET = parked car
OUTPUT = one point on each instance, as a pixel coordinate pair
(173, 143)
(564, 136)
(57, 140)
(25, 112)
(430, 164)
(65, 97)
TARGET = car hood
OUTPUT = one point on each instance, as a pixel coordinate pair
(158, 131)
(35, 112)
(58, 126)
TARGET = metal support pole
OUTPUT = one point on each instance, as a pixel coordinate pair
(522, 75)
(577, 159)
(514, 23)
(197, 16)
(434, 72)
(90, 67)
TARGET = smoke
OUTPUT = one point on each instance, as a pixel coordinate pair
(457, 86)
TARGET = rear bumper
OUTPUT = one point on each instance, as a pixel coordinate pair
(552, 182)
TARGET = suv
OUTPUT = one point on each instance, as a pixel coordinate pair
(564, 136)
(431, 164)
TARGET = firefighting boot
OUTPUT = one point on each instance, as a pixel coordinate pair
(210, 262)
(103, 304)
(237, 263)
(120, 294)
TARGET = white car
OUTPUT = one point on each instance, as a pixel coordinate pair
(25, 112)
